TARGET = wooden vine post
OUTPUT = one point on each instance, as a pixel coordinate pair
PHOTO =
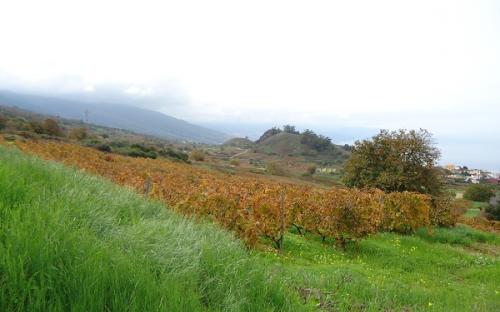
(148, 184)
(281, 220)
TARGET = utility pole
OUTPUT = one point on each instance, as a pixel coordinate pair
(87, 116)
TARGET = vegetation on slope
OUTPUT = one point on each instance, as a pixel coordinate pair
(479, 192)
(257, 208)
(16, 123)
(115, 116)
(305, 144)
(240, 143)
(454, 269)
(69, 241)
(286, 153)
(396, 161)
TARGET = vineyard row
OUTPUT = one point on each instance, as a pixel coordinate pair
(255, 208)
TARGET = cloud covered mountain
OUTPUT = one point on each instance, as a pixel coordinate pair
(116, 116)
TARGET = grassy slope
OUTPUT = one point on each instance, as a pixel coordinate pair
(450, 270)
(283, 144)
(290, 144)
(69, 240)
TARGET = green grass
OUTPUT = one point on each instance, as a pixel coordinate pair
(472, 212)
(446, 271)
(70, 241)
(460, 235)
(476, 209)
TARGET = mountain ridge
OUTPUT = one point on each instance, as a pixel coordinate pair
(116, 116)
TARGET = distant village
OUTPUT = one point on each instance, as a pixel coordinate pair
(462, 174)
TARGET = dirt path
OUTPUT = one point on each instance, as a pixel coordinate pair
(239, 154)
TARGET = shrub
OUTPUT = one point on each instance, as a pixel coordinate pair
(235, 162)
(342, 214)
(445, 212)
(492, 212)
(17, 124)
(311, 169)
(143, 148)
(78, 134)
(355, 214)
(174, 154)
(478, 192)
(104, 148)
(275, 168)
(460, 206)
(139, 153)
(405, 212)
(28, 134)
(118, 144)
(139, 150)
(197, 155)
(271, 215)
(51, 127)
(36, 126)
(9, 138)
(482, 224)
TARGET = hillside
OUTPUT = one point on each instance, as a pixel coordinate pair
(239, 142)
(296, 161)
(115, 116)
(71, 241)
(22, 124)
(290, 144)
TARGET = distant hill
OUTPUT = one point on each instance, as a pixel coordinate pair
(116, 116)
(240, 142)
(283, 144)
(280, 143)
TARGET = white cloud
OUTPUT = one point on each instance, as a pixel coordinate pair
(89, 88)
(372, 63)
(139, 91)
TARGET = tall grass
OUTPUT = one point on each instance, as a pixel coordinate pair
(460, 235)
(70, 241)
(455, 269)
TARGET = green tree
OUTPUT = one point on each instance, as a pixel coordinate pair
(478, 192)
(396, 161)
(315, 141)
(290, 129)
(269, 133)
(276, 168)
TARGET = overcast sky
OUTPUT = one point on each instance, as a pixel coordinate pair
(318, 64)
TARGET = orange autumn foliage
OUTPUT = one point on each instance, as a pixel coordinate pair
(250, 207)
